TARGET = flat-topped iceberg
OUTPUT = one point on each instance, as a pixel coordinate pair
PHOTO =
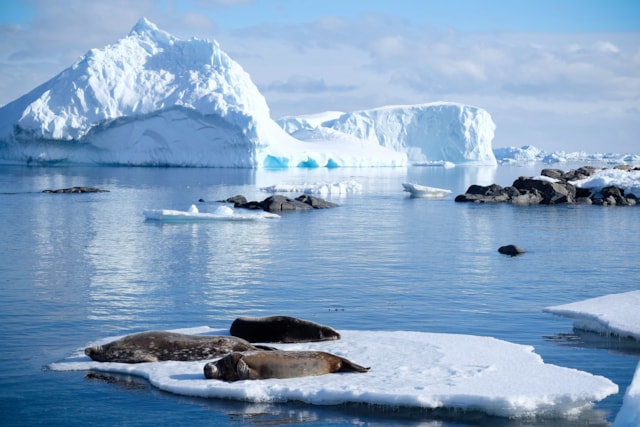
(408, 369)
(432, 132)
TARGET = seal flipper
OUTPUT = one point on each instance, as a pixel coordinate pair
(349, 366)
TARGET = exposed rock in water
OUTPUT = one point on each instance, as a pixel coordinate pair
(557, 189)
(278, 203)
(77, 190)
(511, 250)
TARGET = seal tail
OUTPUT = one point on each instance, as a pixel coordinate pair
(349, 366)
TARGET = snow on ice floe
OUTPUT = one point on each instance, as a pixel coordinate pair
(412, 369)
(616, 314)
(323, 188)
(629, 181)
(222, 213)
(417, 190)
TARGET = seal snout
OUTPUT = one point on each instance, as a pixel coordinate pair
(93, 352)
(211, 372)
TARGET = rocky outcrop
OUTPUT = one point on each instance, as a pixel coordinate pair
(278, 203)
(77, 190)
(555, 187)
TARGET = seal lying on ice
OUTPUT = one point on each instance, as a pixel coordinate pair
(282, 329)
(277, 364)
(154, 346)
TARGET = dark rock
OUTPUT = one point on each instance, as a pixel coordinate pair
(316, 202)
(580, 173)
(511, 250)
(487, 194)
(553, 173)
(77, 190)
(552, 192)
(236, 200)
(582, 192)
(529, 198)
(278, 203)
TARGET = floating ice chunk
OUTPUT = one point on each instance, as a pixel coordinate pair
(337, 188)
(222, 213)
(618, 314)
(418, 190)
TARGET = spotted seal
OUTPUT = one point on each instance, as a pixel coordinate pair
(281, 329)
(277, 364)
(154, 346)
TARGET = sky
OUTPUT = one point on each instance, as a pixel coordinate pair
(559, 75)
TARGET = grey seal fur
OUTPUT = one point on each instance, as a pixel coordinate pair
(277, 364)
(281, 329)
(155, 346)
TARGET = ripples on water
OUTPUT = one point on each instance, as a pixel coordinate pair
(84, 266)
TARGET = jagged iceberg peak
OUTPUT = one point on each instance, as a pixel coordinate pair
(147, 29)
(147, 71)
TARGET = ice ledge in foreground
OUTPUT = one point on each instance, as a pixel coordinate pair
(617, 314)
(412, 369)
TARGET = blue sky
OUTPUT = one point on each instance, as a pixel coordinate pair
(554, 74)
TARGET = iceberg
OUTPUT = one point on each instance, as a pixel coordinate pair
(427, 133)
(151, 99)
(408, 369)
(530, 153)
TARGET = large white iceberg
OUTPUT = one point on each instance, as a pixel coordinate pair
(408, 369)
(441, 131)
(153, 99)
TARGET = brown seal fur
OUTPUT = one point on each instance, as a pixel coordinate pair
(282, 329)
(277, 364)
(154, 346)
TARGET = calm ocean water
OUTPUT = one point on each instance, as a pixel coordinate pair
(77, 267)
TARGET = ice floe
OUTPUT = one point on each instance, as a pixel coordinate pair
(408, 369)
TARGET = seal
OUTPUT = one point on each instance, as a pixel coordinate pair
(277, 364)
(281, 329)
(155, 346)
